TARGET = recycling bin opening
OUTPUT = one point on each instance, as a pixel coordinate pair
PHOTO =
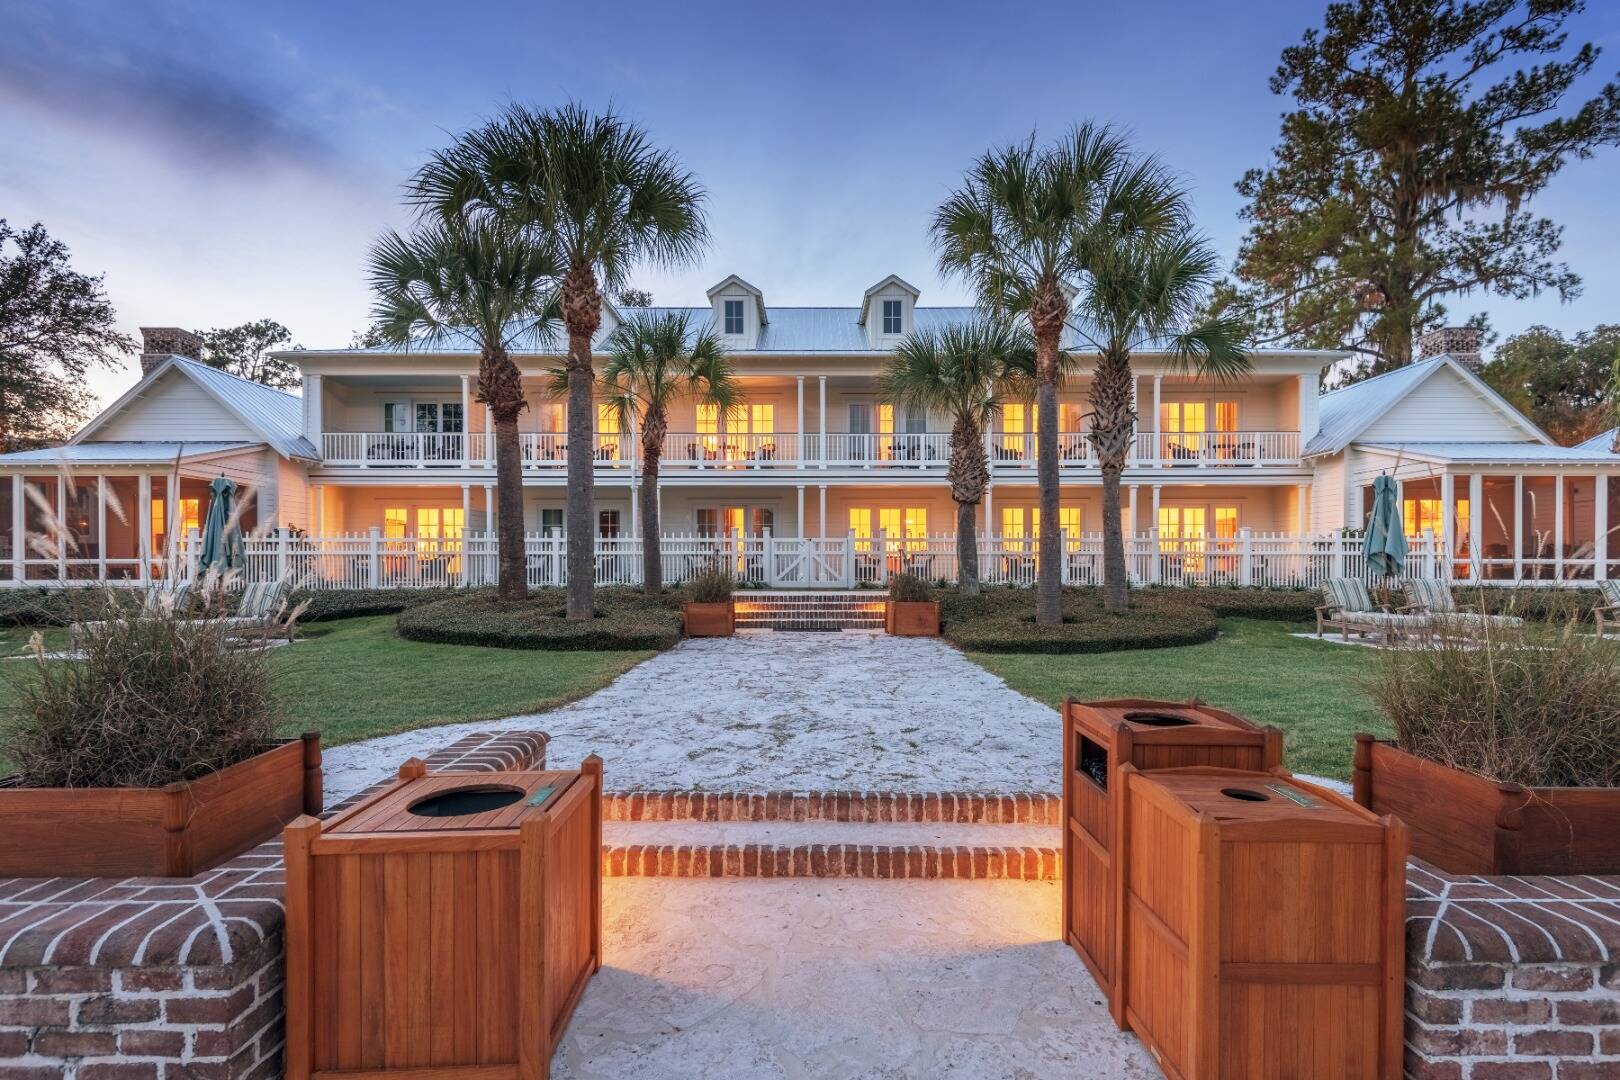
(458, 802)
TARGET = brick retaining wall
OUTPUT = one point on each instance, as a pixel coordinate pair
(1512, 978)
(165, 978)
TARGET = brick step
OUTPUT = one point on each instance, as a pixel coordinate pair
(810, 610)
(963, 807)
(830, 849)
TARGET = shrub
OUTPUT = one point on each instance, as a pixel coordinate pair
(1537, 705)
(60, 607)
(325, 604)
(625, 619)
(156, 698)
(1003, 620)
(710, 587)
(908, 589)
(1546, 604)
(1229, 602)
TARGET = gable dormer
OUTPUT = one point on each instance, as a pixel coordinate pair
(738, 311)
(888, 310)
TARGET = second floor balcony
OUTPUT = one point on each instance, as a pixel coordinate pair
(791, 451)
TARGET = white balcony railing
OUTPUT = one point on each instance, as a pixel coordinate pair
(755, 451)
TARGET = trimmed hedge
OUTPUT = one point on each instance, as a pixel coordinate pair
(325, 604)
(625, 619)
(1284, 605)
(1003, 620)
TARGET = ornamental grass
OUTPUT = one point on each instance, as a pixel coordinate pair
(148, 697)
(1537, 705)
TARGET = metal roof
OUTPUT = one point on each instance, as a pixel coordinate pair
(1599, 442)
(120, 453)
(792, 331)
(1345, 413)
(277, 417)
(1497, 453)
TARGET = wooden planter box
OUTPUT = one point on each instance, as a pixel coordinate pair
(1263, 926)
(912, 618)
(449, 945)
(1099, 738)
(710, 620)
(174, 831)
(1466, 824)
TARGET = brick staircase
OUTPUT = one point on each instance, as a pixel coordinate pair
(804, 610)
(845, 834)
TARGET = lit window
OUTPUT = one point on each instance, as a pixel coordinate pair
(734, 316)
(860, 523)
(395, 521)
(1069, 522)
(1226, 416)
(1422, 515)
(607, 432)
(916, 526)
(1013, 416)
(889, 523)
(891, 317)
(1226, 522)
(1012, 522)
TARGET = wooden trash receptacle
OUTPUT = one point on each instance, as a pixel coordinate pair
(1262, 926)
(445, 926)
(1098, 738)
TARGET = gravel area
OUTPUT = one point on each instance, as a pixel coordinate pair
(763, 712)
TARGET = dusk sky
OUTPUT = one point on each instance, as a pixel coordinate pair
(228, 163)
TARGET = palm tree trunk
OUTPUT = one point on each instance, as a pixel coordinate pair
(967, 549)
(652, 452)
(500, 388)
(969, 476)
(512, 562)
(1047, 315)
(582, 314)
(1113, 427)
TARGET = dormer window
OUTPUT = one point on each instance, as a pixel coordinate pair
(734, 317)
(891, 317)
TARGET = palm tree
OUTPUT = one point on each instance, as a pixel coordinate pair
(1146, 293)
(454, 280)
(966, 370)
(652, 361)
(1021, 229)
(603, 199)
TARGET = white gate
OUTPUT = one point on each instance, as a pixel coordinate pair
(808, 563)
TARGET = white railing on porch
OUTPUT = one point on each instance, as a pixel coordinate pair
(792, 450)
(371, 560)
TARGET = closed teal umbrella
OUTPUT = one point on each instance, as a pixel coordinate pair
(1385, 543)
(221, 539)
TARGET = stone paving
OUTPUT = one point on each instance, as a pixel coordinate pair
(781, 711)
(840, 979)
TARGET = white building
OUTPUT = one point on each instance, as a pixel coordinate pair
(388, 451)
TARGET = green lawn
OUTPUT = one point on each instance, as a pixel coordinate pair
(1255, 668)
(354, 678)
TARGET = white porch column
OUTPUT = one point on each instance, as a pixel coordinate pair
(1448, 522)
(143, 525)
(1130, 512)
(101, 527)
(821, 451)
(1310, 388)
(1153, 522)
(466, 507)
(800, 516)
(19, 542)
(489, 508)
(466, 421)
(990, 509)
(635, 508)
(1600, 526)
(1558, 527)
(821, 521)
(312, 411)
(1518, 526)
(1476, 526)
(61, 516)
(1158, 440)
(1302, 496)
(799, 434)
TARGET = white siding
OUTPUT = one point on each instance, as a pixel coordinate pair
(292, 494)
(175, 408)
(1327, 494)
(874, 315)
(1443, 407)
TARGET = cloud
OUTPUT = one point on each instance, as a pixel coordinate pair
(111, 82)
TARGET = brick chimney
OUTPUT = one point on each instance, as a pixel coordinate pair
(1462, 342)
(158, 343)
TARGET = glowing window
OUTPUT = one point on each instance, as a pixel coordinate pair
(1226, 522)
(395, 521)
(1423, 514)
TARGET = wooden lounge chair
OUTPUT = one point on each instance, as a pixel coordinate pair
(1431, 596)
(1609, 611)
(153, 602)
(1350, 610)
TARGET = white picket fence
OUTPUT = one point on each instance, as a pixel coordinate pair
(373, 561)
